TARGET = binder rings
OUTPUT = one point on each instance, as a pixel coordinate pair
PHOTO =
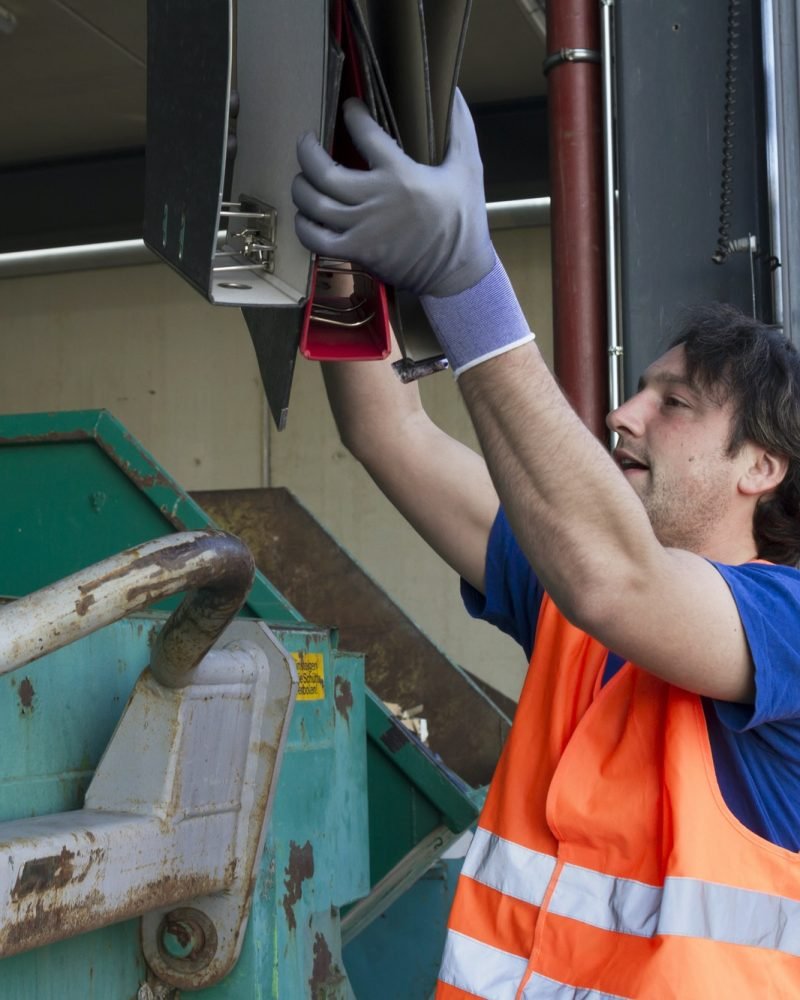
(346, 317)
(231, 85)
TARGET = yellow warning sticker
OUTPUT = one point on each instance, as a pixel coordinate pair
(311, 674)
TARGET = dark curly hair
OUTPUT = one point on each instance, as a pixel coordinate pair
(757, 368)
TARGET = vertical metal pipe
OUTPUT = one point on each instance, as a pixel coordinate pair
(576, 183)
(770, 57)
(614, 338)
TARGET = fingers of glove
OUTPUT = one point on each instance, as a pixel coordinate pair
(327, 176)
(376, 146)
(319, 207)
(321, 240)
(463, 143)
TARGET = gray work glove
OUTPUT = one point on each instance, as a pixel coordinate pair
(419, 228)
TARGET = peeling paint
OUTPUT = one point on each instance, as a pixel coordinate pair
(343, 697)
(26, 694)
(41, 914)
(41, 874)
(326, 976)
(34, 928)
(215, 569)
(299, 868)
(83, 604)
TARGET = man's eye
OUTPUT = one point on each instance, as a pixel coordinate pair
(674, 401)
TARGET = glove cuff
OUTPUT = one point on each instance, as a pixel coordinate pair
(480, 322)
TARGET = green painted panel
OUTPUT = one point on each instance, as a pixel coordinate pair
(79, 488)
(70, 507)
(400, 816)
(458, 803)
(58, 713)
(103, 965)
(316, 854)
(398, 956)
(56, 717)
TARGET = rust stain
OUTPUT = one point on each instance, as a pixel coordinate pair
(181, 932)
(83, 604)
(26, 693)
(343, 697)
(230, 870)
(42, 924)
(145, 480)
(174, 558)
(145, 594)
(77, 435)
(299, 868)
(326, 976)
(41, 874)
(41, 919)
(195, 933)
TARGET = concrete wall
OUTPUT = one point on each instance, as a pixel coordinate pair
(181, 375)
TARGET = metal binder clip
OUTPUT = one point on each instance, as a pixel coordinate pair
(255, 241)
(334, 303)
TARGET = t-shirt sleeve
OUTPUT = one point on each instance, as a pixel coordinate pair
(513, 592)
(768, 600)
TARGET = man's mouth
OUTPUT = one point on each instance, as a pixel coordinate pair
(628, 462)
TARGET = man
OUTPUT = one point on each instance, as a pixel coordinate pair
(640, 835)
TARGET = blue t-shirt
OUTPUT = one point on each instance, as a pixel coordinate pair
(756, 748)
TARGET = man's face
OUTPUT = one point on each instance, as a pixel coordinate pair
(672, 449)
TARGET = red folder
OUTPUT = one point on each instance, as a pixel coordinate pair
(347, 316)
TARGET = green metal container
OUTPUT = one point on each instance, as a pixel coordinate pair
(362, 809)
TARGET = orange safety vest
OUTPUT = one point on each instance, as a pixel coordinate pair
(606, 863)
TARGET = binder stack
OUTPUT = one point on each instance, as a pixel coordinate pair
(229, 93)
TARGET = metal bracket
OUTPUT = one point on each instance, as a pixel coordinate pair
(410, 371)
(252, 227)
(570, 56)
(745, 244)
(177, 808)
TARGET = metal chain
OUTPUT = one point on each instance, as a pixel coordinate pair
(728, 133)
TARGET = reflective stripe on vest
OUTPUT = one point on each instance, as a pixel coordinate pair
(542, 988)
(480, 969)
(513, 870)
(683, 907)
(492, 974)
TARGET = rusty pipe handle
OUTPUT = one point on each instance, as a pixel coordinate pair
(214, 567)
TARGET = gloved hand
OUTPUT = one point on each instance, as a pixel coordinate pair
(419, 228)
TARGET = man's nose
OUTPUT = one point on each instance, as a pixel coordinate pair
(627, 418)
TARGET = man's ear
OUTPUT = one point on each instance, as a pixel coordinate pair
(764, 470)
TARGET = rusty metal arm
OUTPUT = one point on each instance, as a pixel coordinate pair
(216, 568)
(176, 810)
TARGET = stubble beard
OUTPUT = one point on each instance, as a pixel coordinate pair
(684, 515)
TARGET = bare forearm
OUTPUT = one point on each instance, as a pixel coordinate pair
(437, 483)
(572, 512)
(369, 403)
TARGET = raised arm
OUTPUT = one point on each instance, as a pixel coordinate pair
(581, 525)
(438, 484)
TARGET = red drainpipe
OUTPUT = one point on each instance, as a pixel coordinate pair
(576, 211)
